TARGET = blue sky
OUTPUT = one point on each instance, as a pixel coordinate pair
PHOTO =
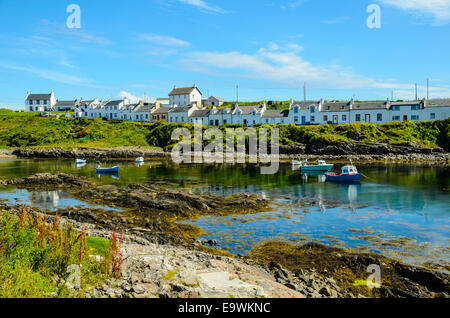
(267, 47)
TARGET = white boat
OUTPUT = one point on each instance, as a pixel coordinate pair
(140, 160)
(80, 161)
(320, 166)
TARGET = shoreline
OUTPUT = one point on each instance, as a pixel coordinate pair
(130, 153)
(164, 259)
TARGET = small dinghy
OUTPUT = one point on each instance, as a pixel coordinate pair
(140, 160)
(348, 174)
(108, 170)
(80, 161)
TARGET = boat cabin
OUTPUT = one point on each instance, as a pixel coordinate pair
(322, 163)
(349, 170)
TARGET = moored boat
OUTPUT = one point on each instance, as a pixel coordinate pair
(80, 161)
(320, 166)
(108, 170)
(348, 173)
(140, 160)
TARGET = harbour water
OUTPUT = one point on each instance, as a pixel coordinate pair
(400, 210)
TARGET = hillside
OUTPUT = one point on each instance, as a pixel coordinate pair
(18, 130)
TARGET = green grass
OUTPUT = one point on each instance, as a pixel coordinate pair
(35, 256)
(28, 130)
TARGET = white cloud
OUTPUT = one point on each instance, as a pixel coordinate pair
(285, 68)
(133, 99)
(204, 6)
(163, 40)
(439, 9)
(48, 74)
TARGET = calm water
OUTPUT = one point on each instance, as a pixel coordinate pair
(400, 210)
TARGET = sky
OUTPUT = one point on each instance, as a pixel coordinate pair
(268, 48)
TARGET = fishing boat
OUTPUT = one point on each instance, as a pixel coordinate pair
(140, 160)
(348, 173)
(80, 161)
(320, 166)
(108, 170)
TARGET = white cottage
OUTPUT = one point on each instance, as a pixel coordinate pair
(40, 102)
(185, 96)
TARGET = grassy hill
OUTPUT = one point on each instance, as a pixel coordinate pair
(28, 130)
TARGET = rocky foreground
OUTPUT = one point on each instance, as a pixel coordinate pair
(164, 259)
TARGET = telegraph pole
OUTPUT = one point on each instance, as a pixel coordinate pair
(304, 91)
(416, 91)
(428, 88)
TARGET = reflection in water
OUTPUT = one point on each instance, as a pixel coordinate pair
(114, 175)
(398, 200)
(51, 200)
(44, 198)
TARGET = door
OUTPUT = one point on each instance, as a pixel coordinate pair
(303, 120)
(405, 118)
(367, 118)
(245, 122)
(335, 119)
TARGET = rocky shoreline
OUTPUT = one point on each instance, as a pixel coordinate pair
(336, 152)
(164, 259)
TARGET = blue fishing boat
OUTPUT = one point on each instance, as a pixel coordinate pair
(108, 170)
(348, 174)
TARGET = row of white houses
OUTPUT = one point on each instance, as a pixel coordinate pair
(193, 110)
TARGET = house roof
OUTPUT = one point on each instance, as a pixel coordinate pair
(305, 104)
(162, 110)
(407, 103)
(143, 108)
(370, 105)
(114, 102)
(220, 99)
(275, 113)
(437, 102)
(220, 111)
(183, 90)
(66, 102)
(183, 109)
(200, 113)
(246, 110)
(336, 106)
(38, 96)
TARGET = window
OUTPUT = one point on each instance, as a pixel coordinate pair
(295, 110)
(325, 118)
(344, 117)
(433, 116)
(414, 117)
(38, 102)
(31, 102)
(415, 107)
(182, 118)
(312, 118)
(396, 108)
(358, 117)
(211, 122)
(163, 116)
(312, 109)
(154, 117)
(224, 121)
(328, 107)
(267, 121)
(45, 102)
(296, 119)
(379, 117)
(396, 118)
